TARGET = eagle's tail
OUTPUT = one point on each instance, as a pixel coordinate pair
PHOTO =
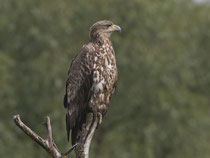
(75, 129)
(74, 132)
(68, 117)
(70, 122)
(68, 125)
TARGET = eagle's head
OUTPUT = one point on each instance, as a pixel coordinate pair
(102, 30)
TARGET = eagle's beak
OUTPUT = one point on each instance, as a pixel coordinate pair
(117, 28)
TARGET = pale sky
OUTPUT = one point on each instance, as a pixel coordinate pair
(200, 1)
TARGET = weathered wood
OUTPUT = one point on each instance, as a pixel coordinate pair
(48, 143)
(90, 136)
(83, 140)
(85, 135)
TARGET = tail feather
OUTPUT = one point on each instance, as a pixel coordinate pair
(68, 125)
(73, 136)
(70, 122)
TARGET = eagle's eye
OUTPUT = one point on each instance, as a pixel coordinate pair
(108, 25)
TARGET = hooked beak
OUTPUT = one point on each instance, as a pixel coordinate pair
(117, 28)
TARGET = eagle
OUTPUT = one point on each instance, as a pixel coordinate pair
(92, 78)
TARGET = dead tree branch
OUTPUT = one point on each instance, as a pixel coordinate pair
(83, 138)
(85, 135)
(48, 143)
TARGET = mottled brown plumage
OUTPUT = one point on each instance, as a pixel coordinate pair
(92, 77)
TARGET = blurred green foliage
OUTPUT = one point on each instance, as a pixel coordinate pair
(161, 107)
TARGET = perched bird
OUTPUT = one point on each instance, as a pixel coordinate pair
(91, 78)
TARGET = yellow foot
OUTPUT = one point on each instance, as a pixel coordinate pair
(99, 118)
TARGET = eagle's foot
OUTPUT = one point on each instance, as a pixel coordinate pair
(83, 155)
(100, 118)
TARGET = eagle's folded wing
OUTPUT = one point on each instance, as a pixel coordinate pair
(78, 86)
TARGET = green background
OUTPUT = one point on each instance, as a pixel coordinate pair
(161, 108)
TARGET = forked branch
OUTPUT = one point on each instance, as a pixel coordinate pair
(48, 143)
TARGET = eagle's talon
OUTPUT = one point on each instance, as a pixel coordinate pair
(100, 119)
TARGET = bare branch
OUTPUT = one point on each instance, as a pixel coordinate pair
(49, 131)
(29, 132)
(89, 137)
(70, 150)
(48, 143)
(84, 137)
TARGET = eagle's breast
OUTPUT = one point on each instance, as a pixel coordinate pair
(104, 75)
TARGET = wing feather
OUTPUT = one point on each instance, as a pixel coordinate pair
(78, 87)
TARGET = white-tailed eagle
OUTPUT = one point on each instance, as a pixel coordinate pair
(91, 78)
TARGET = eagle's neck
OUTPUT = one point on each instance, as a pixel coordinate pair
(101, 39)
